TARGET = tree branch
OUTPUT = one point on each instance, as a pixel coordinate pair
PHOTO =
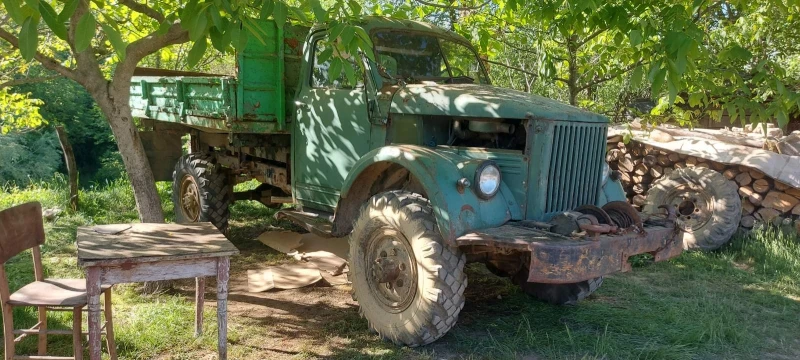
(25, 81)
(590, 37)
(145, 46)
(143, 9)
(512, 67)
(448, 7)
(46, 61)
(611, 76)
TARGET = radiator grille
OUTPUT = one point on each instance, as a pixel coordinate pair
(575, 167)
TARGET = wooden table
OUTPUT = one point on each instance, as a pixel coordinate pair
(125, 253)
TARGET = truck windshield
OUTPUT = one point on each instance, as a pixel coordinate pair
(416, 56)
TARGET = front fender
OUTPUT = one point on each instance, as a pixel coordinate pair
(438, 171)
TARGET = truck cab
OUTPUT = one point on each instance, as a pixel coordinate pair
(414, 156)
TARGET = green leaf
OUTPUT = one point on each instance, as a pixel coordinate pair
(29, 37)
(266, 9)
(335, 70)
(279, 14)
(239, 38)
(319, 12)
(220, 40)
(635, 37)
(325, 55)
(347, 35)
(299, 13)
(355, 7)
(197, 52)
(68, 10)
(658, 82)
(163, 28)
(33, 4)
(252, 29)
(115, 38)
(84, 32)
(15, 10)
(636, 77)
(198, 29)
(51, 19)
(350, 73)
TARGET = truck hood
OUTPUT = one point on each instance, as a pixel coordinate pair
(483, 101)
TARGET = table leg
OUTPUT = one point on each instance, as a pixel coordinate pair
(223, 273)
(199, 300)
(93, 293)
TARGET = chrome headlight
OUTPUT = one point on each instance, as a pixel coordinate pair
(487, 180)
(606, 173)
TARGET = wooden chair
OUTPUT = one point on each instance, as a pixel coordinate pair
(21, 228)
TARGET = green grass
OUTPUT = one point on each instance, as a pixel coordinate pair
(739, 302)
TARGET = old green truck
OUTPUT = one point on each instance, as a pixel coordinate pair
(421, 162)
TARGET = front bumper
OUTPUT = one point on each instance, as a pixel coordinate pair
(558, 259)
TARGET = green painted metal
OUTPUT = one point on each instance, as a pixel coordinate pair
(260, 91)
(568, 164)
(612, 191)
(438, 170)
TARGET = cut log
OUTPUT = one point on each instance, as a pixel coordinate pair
(794, 192)
(663, 160)
(703, 165)
(755, 174)
(743, 179)
(761, 186)
(780, 201)
(789, 145)
(767, 215)
(717, 166)
(613, 155)
(673, 157)
(796, 211)
(743, 141)
(650, 160)
(730, 173)
(752, 196)
(639, 200)
(638, 188)
(680, 165)
(640, 169)
(626, 164)
(748, 208)
(691, 161)
(781, 186)
(624, 177)
(656, 171)
(748, 221)
(615, 139)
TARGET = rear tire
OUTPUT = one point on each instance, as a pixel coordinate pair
(708, 204)
(201, 191)
(415, 298)
(557, 294)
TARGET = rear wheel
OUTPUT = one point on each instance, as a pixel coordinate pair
(708, 204)
(557, 294)
(408, 283)
(201, 191)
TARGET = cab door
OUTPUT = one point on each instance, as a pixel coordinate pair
(332, 130)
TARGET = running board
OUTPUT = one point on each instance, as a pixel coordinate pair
(316, 223)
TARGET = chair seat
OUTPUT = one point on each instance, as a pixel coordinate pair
(52, 292)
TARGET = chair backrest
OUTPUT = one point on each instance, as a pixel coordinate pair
(21, 228)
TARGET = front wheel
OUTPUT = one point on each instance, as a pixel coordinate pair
(201, 191)
(408, 283)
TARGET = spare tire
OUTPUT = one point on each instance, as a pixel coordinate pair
(708, 205)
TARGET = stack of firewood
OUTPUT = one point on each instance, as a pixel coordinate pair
(764, 200)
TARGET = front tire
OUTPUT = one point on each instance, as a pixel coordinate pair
(201, 191)
(408, 283)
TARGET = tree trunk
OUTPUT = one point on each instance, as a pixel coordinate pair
(72, 170)
(118, 112)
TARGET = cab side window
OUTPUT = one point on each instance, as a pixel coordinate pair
(320, 73)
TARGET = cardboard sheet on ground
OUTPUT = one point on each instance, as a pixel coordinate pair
(777, 166)
(287, 276)
(325, 256)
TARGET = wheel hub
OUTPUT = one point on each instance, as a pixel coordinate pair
(694, 207)
(190, 199)
(392, 274)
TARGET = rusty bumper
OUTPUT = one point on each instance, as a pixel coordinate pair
(558, 259)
